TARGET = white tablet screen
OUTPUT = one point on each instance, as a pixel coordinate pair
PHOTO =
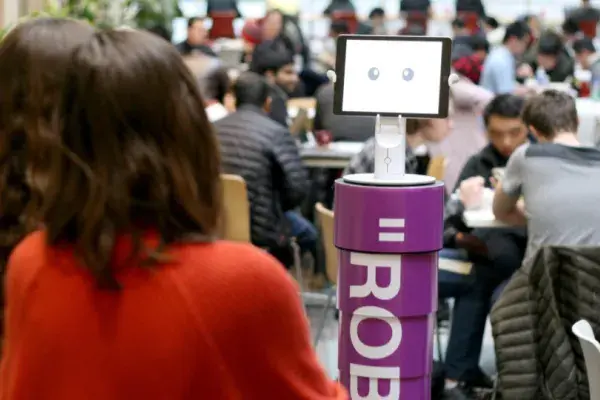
(396, 77)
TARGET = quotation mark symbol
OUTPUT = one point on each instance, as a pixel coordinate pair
(392, 236)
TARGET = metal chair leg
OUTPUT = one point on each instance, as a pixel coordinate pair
(323, 321)
(438, 340)
(298, 268)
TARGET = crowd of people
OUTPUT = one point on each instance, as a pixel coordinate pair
(117, 283)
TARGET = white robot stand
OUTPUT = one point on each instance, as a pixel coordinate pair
(388, 230)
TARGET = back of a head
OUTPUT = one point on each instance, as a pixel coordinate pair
(479, 43)
(267, 56)
(550, 43)
(215, 84)
(137, 151)
(251, 89)
(584, 44)
(34, 58)
(570, 27)
(504, 106)
(377, 12)
(550, 113)
(517, 29)
(492, 22)
(458, 23)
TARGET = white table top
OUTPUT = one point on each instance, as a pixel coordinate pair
(482, 219)
(334, 155)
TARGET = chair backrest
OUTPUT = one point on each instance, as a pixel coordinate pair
(591, 352)
(222, 25)
(437, 167)
(327, 228)
(237, 209)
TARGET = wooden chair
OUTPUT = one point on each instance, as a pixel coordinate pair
(237, 209)
(349, 17)
(222, 25)
(325, 220)
(437, 167)
(591, 354)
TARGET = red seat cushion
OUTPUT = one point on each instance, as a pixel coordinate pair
(222, 24)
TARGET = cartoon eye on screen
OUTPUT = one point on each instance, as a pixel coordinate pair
(395, 75)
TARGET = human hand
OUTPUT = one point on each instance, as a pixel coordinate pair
(471, 192)
(471, 244)
(525, 71)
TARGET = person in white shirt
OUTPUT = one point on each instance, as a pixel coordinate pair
(215, 86)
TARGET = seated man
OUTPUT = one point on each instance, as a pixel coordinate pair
(496, 253)
(276, 64)
(215, 86)
(499, 74)
(417, 131)
(556, 178)
(197, 39)
(264, 153)
(342, 127)
(553, 58)
(587, 56)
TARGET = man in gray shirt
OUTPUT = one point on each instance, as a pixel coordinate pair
(557, 179)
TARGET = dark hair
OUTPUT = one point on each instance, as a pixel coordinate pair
(479, 42)
(583, 44)
(339, 27)
(193, 20)
(34, 58)
(518, 30)
(127, 162)
(505, 106)
(252, 89)
(160, 31)
(458, 23)
(551, 112)
(377, 12)
(492, 22)
(215, 84)
(550, 43)
(570, 27)
(267, 57)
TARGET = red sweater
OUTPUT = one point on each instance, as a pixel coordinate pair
(222, 321)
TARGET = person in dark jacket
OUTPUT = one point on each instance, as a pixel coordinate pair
(496, 253)
(554, 58)
(276, 64)
(416, 6)
(223, 6)
(339, 6)
(264, 153)
(197, 39)
(468, 6)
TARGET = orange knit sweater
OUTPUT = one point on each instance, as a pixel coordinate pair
(222, 321)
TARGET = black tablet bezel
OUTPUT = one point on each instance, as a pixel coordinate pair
(340, 66)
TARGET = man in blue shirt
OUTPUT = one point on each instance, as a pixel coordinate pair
(499, 69)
